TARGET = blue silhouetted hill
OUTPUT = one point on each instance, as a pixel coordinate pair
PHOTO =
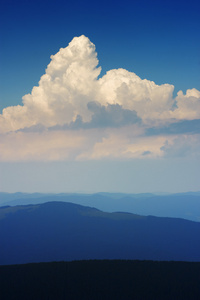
(58, 231)
(183, 205)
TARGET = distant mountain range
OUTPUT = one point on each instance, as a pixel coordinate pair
(182, 205)
(59, 231)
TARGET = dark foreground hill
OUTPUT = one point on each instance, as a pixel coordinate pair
(58, 231)
(91, 280)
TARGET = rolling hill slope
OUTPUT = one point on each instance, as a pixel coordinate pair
(58, 231)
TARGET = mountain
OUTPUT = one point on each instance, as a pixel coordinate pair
(56, 231)
(182, 205)
(6, 198)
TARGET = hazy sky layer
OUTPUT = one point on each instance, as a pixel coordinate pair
(94, 176)
(99, 97)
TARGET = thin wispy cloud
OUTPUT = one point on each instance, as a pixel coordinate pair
(74, 114)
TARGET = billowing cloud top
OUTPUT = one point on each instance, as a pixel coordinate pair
(74, 114)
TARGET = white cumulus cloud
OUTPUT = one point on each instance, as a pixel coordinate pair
(74, 113)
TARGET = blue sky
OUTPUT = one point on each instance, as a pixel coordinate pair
(158, 41)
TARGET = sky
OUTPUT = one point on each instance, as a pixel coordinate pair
(99, 96)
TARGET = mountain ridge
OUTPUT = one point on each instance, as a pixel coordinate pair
(57, 231)
(185, 205)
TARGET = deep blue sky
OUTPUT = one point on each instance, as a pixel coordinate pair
(157, 40)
